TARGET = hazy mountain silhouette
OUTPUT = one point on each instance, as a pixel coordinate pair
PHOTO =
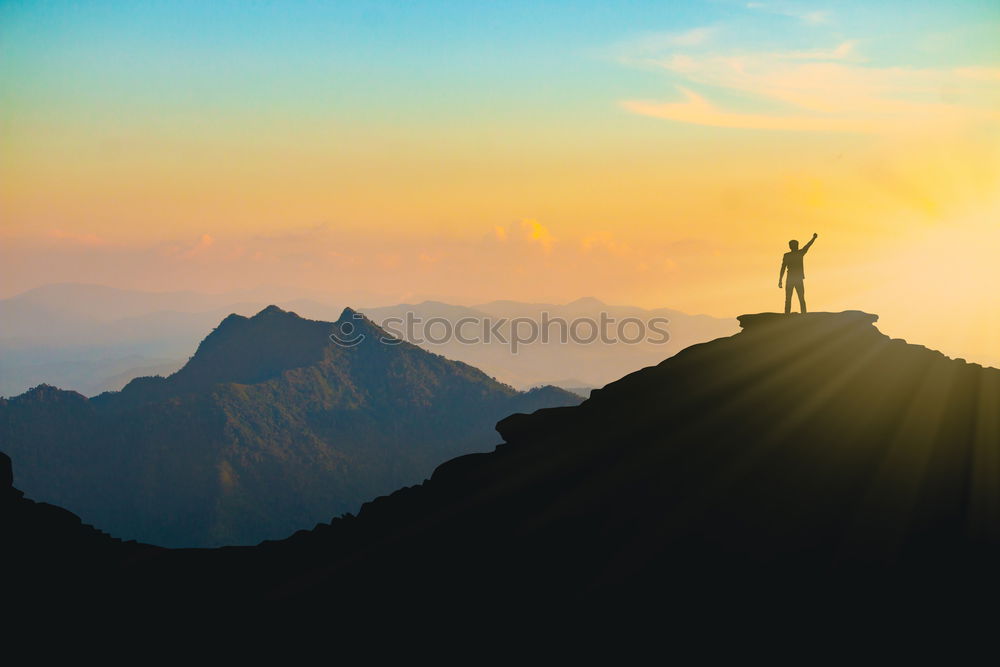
(91, 338)
(579, 365)
(808, 461)
(269, 427)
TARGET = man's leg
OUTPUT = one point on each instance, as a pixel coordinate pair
(800, 287)
(788, 296)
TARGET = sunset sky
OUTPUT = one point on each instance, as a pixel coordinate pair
(658, 153)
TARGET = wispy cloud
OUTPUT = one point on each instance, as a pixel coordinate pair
(652, 44)
(604, 241)
(979, 73)
(827, 89)
(693, 37)
(526, 231)
(807, 16)
(203, 245)
(85, 239)
(536, 232)
(697, 110)
(843, 51)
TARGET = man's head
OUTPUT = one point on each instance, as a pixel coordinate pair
(794, 245)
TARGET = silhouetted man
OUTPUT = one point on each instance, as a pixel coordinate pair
(792, 261)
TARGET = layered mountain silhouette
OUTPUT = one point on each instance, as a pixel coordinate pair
(574, 362)
(92, 339)
(271, 426)
(808, 457)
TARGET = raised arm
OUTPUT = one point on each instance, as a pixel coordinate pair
(806, 247)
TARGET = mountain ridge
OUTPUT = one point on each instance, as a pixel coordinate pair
(808, 460)
(268, 427)
(93, 339)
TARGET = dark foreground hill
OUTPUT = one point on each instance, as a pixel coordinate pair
(807, 457)
(271, 426)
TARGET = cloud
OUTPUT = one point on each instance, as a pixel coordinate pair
(526, 231)
(341, 259)
(814, 17)
(204, 243)
(91, 240)
(820, 90)
(807, 16)
(537, 233)
(604, 241)
(692, 37)
(654, 44)
(843, 51)
(361, 267)
(697, 110)
(979, 73)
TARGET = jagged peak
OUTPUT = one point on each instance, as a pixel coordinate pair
(246, 350)
(352, 322)
(349, 314)
(274, 311)
(231, 319)
(270, 314)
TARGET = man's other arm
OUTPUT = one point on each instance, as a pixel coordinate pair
(784, 265)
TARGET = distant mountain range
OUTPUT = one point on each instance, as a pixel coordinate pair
(269, 427)
(573, 364)
(93, 339)
(809, 465)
